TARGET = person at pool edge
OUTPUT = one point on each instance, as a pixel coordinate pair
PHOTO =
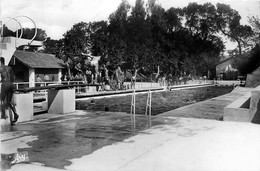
(7, 91)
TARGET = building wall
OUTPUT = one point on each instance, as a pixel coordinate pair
(220, 68)
(225, 70)
(21, 71)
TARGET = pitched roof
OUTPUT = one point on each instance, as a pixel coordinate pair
(38, 60)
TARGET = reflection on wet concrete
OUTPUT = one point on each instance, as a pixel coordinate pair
(71, 136)
(63, 138)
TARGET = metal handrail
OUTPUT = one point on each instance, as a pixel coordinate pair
(14, 18)
(35, 33)
(56, 87)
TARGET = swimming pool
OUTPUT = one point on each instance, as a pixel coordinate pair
(162, 101)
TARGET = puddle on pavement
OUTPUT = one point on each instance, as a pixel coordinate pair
(64, 138)
(60, 141)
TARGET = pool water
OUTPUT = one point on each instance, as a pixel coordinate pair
(162, 101)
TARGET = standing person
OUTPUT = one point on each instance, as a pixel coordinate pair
(7, 91)
(53, 78)
(133, 79)
(38, 79)
(88, 73)
(46, 78)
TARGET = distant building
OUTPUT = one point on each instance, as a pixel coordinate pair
(224, 67)
(27, 65)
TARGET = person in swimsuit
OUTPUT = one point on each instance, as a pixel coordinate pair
(7, 91)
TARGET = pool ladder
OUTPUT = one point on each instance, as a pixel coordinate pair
(148, 111)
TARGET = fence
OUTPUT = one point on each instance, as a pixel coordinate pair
(91, 89)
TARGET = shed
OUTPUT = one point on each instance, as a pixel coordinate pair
(27, 65)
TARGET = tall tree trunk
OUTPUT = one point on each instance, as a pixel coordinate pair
(68, 68)
(158, 73)
(239, 48)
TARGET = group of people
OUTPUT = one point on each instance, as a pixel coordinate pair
(7, 91)
(46, 78)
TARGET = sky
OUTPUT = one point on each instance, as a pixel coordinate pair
(58, 16)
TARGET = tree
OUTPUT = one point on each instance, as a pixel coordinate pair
(28, 33)
(75, 49)
(116, 42)
(99, 38)
(255, 23)
(204, 45)
(250, 62)
(146, 37)
(7, 32)
(118, 20)
(155, 20)
(200, 19)
(52, 46)
(228, 22)
(173, 19)
(138, 37)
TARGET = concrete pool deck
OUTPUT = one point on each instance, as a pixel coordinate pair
(106, 141)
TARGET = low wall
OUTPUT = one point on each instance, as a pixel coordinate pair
(252, 80)
(238, 110)
(139, 85)
(244, 109)
(61, 101)
(24, 107)
(255, 106)
(228, 82)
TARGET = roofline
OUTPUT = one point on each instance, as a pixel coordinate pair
(16, 58)
(213, 66)
(39, 67)
(225, 60)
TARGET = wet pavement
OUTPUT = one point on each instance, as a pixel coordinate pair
(64, 137)
(107, 140)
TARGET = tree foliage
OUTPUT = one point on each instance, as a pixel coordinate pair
(27, 33)
(146, 37)
(228, 22)
(250, 61)
(255, 23)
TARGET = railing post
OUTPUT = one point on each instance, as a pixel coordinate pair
(149, 107)
(132, 113)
